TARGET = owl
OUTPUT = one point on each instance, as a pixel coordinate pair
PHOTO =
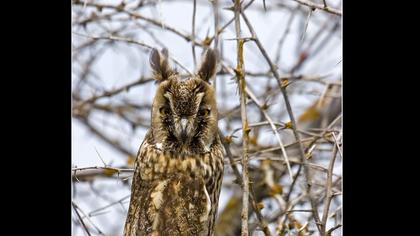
(179, 166)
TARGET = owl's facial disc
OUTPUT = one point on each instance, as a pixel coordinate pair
(184, 101)
(185, 124)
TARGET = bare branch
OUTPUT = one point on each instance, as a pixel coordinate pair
(193, 31)
(81, 220)
(282, 86)
(328, 192)
(319, 6)
(245, 129)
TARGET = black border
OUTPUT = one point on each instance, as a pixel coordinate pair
(36, 86)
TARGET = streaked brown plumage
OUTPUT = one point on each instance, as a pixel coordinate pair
(179, 166)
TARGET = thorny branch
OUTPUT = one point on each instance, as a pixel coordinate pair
(245, 129)
(323, 7)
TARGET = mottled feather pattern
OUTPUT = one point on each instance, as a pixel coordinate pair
(179, 166)
(183, 175)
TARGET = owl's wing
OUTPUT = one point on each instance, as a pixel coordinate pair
(137, 220)
(172, 204)
(214, 184)
(146, 139)
(182, 206)
(176, 205)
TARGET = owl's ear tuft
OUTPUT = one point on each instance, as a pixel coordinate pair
(160, 65)
(208, 65)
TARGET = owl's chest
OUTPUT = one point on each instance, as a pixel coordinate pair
(157, 164)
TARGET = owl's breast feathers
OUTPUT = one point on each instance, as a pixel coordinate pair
(175, 193)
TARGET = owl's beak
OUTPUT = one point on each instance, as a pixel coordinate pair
(184, 122)
(182, 129)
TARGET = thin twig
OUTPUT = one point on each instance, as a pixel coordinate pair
(273, 127)
(114, 38)
(109, 205)
(336, 143)
(333, 228)
(216, 24)
(306, 26)
(286, 32)
(219, 31)
(79, 217)
(328, 192)
(113, 92)
(114, 143)
(147, 19)
(193, 32)
(129, 40)
(319, 6)
(88, 218)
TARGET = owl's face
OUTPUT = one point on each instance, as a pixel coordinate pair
(184, 112)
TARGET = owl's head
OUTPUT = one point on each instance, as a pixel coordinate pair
(184, 111)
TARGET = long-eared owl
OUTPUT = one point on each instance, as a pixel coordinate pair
(179, 166)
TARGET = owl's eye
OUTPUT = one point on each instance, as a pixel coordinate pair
(204, 112)
(164, 110)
